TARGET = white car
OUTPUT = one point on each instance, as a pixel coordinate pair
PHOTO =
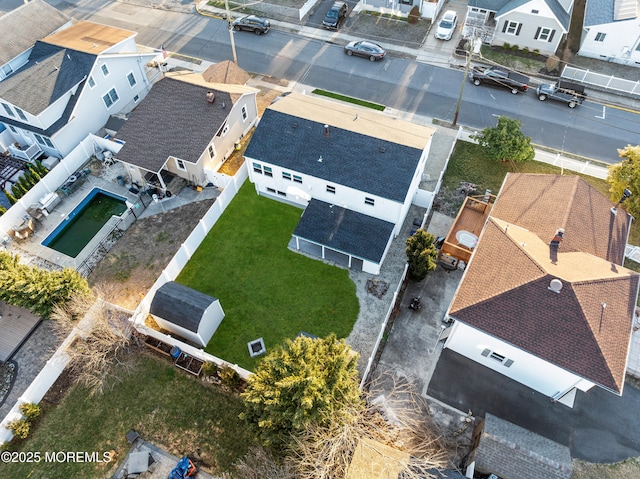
(447, 25)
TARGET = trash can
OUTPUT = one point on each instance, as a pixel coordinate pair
(120, 180)
(175, 352)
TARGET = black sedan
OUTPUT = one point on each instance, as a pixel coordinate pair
(257, 25)
(369, 50)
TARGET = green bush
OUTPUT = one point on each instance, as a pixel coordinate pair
(515, 48)
(30, 410)
(506, 46)
(229, 377)
(414, 15)
(20, 428)
(525, 50)
(210, 369)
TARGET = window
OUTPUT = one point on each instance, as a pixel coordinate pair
(110, 98)
(600, 36)
(47, 141)
(267, 171)
(212, 152)
(91, 82)
(535, 12)
(511, 28)
(271, 190)
(297, 179)
(180, 164)
(544, 34)
(257, 167)
(286, 176)
(244, 113)
(331, 189)
(13, 129)
(282, 193)
(224, 129)
(43, 140)
(369, 201)
(131, 79)
(8, 109)
(105, 69)
(21, 114)
(136, 98)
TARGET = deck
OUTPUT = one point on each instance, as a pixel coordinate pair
(458, 245)
(15, 327)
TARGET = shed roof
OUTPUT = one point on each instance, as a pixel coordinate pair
(41, 18)
(511, 451)
(174, 119)
(180, 305)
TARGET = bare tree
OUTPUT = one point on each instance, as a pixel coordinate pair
(105, 337)
(260, 463)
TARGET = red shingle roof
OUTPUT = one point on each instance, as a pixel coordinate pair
(505, 291)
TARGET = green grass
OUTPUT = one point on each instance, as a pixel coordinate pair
(469, 163)
(266, 290)
(348, 99)
(510, 60)
(167, 407)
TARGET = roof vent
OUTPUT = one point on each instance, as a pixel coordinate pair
(555, 285)
(320, 159)
(382, 149)
(294, 125)
(211, 97)
(326, 130)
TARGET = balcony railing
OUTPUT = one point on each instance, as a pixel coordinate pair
(27, 154)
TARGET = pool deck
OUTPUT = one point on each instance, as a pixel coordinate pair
(33, 245)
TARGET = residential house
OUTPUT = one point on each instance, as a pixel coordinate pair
(545, 299)
(612, 31)
(355, 171)
(538, 25)
(73, 80)
(184, 131)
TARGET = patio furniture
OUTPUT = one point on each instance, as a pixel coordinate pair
(24, 229)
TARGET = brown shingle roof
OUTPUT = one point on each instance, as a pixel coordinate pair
(505, 291)
(225, 72)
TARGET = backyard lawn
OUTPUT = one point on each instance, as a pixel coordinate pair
(165, 406)
(266, 290)
(469, 163)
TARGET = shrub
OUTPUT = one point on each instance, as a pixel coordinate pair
(536, 51)
(229, 377)
(210, 369)
(506, 46)
(20, 428)
(515, 48)
(525, 50)
(414, 15)
(30, 410)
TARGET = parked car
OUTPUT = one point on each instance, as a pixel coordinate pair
(447, 25)
(571, 93)
(369, 50)
(514, 81)
(257, 25)
(336, 15)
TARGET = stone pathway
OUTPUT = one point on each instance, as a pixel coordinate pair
(31, 358)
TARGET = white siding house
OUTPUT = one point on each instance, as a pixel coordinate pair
(538, 25)
(72, 82)
(354, 170)
(545, 299)
(612, 31)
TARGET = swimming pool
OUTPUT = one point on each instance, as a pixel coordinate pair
(81, 225)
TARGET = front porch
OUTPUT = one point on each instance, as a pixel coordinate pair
(462, 238)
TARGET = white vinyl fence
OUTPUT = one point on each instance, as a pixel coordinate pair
(602, 82)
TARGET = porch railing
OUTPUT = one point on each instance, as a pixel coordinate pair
(28, 154)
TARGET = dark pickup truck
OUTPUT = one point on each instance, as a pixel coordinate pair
(499, 77)
(571, 93)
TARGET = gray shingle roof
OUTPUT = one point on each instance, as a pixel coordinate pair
(511, 451)
(598, 12)
(491, 5)
(344, 230)
(180, 305)
(50, 73)
(173, 120)
(25, 25)
(372, 165)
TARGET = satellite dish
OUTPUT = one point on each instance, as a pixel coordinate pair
(555, 285)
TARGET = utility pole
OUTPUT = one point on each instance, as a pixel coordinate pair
(464, 80)
(229, 21)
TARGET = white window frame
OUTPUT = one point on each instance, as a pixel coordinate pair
(43, 140)
(131, 76)
(105, 70)
(8, 109)
(13, 129)
(212, 151)
(109, 95)
(545, 34)
(286, 175)
(600, 36)
(267, 171)
(245, 115)
(331, 189)
(297, 179)
(512, 28)
(91, 82)
(180, 164)
(21, 114)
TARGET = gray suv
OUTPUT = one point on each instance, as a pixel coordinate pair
(335, 16)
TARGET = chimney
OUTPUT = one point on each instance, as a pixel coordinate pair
(211, 97)
(326, 130)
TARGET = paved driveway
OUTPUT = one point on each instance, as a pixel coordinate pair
(602, 427)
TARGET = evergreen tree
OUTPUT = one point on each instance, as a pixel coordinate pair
(422, 254)
(305, 381)
(505, 141)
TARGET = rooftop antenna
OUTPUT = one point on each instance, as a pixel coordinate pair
(626, 194)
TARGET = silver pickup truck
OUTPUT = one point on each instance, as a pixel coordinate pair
(571, 93)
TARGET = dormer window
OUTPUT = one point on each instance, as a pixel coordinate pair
(8, 109)
(21, 114)
(105, 69)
